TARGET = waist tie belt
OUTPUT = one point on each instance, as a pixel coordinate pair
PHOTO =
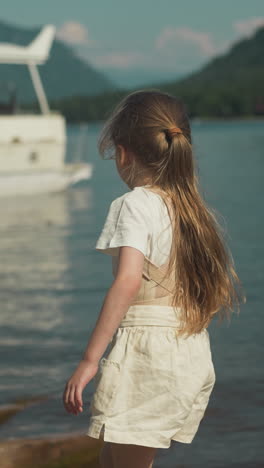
(151, 315)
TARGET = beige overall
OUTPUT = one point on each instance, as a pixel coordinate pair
(153, 386)
(156, 290)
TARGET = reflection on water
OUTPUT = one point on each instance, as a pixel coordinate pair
(37, 285)
(35, 262)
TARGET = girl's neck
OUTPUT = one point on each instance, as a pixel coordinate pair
(150, 187)
(140, 183)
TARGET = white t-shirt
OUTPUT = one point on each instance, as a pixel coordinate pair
(139, 219)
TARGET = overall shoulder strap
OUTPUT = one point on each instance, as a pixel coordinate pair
(156, 273)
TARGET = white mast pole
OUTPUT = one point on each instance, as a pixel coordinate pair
(38, 88)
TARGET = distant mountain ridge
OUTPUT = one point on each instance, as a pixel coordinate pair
(63, 75)
(230, 84)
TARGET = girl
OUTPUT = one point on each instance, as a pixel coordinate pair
(172, 274)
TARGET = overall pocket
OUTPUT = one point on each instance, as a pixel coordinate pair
(106, 382)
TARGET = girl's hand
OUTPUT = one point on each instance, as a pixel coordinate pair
(72, 396)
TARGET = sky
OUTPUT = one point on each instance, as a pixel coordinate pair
(142, 39)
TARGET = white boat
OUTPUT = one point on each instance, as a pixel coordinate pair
(33, 146)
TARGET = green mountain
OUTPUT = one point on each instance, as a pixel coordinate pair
(64, 74)
(230, 85)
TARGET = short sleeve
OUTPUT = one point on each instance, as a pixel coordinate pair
(127, 223)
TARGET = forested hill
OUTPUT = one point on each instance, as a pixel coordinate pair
(230, 85)
(63, 75)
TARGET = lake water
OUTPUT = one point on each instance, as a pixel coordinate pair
(53, 283)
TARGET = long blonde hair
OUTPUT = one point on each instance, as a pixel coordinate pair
(205, 278)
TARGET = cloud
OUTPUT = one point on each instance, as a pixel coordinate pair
(120, 60)
(74, 32)
(178, 36)
(248, 26)
(175, 48)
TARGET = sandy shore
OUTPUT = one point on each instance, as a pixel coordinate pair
(78, 451)
(56, 451)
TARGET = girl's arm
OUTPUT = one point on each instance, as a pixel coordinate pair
(115, 305)
(117, 300)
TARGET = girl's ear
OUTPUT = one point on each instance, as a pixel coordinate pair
(122, 155)
(119, 152)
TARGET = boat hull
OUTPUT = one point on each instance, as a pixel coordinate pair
(46, 181)
(32, 142)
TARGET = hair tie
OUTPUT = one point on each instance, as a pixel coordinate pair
(174, 130)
